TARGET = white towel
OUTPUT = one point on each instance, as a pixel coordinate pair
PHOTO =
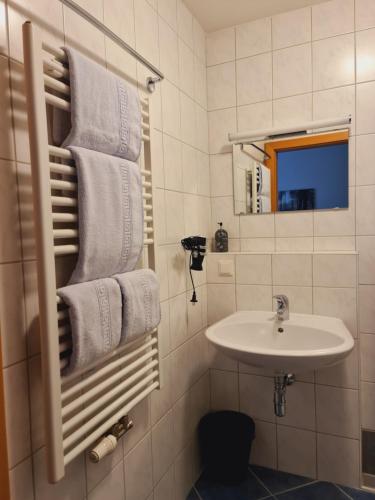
(95, 318)
(264, 177)
(110, 215)
(264, 204)
(140, 303)
(105, 111)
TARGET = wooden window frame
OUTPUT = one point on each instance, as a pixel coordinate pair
(307, 141)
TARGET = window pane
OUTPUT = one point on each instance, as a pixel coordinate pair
(312, 178)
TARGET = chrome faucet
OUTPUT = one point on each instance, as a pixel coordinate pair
(282, 309)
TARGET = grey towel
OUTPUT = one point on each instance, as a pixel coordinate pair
(105, 111)
(95, 318)
(140, 303)
(110, 215)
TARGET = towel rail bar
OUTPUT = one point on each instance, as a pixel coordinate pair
(115, 382)
(65, 345)
(108, 396)
(87, 426)
(63, 201)
(60, 168)
(65, 154)
(106, 369)
(63, 185)
(64, 314)
(64, 217)
(85, 443)
(132, 370)
(108, 382)
(53, 67)
(62, 153)
(63, 363)
(58, 53)
(58, 102)
(65, 249)
(55, 84)
(72, 249)
(144, 101)
(72, 186)
(63, 329)
(65, 233)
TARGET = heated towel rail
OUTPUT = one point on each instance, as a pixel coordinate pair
(83, 406)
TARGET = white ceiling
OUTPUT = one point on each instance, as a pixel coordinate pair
(217, 14)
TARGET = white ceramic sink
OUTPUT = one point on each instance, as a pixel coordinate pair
(307, 342)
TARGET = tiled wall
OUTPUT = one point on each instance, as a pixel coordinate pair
(319, 436)
(307, 64)
(158, 458)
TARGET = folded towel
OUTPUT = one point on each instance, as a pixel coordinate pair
(110, 215)
(264, 204)
(95, 319)
(264, 179)
(140, 303)
(105, 111)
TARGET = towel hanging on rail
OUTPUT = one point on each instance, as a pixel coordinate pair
(110, 215)
(105, 111)
(263, 179)
(140, 303)
(95, 319)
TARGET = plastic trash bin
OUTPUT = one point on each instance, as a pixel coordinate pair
(225, 439)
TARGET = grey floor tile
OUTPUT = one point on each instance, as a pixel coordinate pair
(250, 489)
(278, 481)
(357, 494)
(192, 495)
(314, 491)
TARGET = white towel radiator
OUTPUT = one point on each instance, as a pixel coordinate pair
(82, 407)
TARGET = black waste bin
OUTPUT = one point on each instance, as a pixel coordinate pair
(225, 439)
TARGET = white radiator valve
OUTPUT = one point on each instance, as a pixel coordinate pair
(108, 443)
(105, 446)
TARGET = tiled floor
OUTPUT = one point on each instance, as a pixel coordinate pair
(263, 483)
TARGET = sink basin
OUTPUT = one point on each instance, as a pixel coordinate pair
(306, 342)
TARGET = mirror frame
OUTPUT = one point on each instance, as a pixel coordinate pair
(272, 148)
(4, 471)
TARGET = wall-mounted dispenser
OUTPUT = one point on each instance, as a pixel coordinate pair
(221, 239)
(196, 245)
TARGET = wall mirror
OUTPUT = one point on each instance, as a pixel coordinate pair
(308, 172)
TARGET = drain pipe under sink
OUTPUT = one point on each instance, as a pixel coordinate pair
(279, 395)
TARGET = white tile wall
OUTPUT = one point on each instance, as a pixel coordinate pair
(253, 38)
(292, 71)
(296, 451)
(147, 461)
(291, 28)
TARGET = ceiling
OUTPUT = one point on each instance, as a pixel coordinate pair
(217, 14)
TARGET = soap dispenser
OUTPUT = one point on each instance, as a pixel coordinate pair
(221, 239)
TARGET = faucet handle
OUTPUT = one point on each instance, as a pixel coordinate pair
(282, 300)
